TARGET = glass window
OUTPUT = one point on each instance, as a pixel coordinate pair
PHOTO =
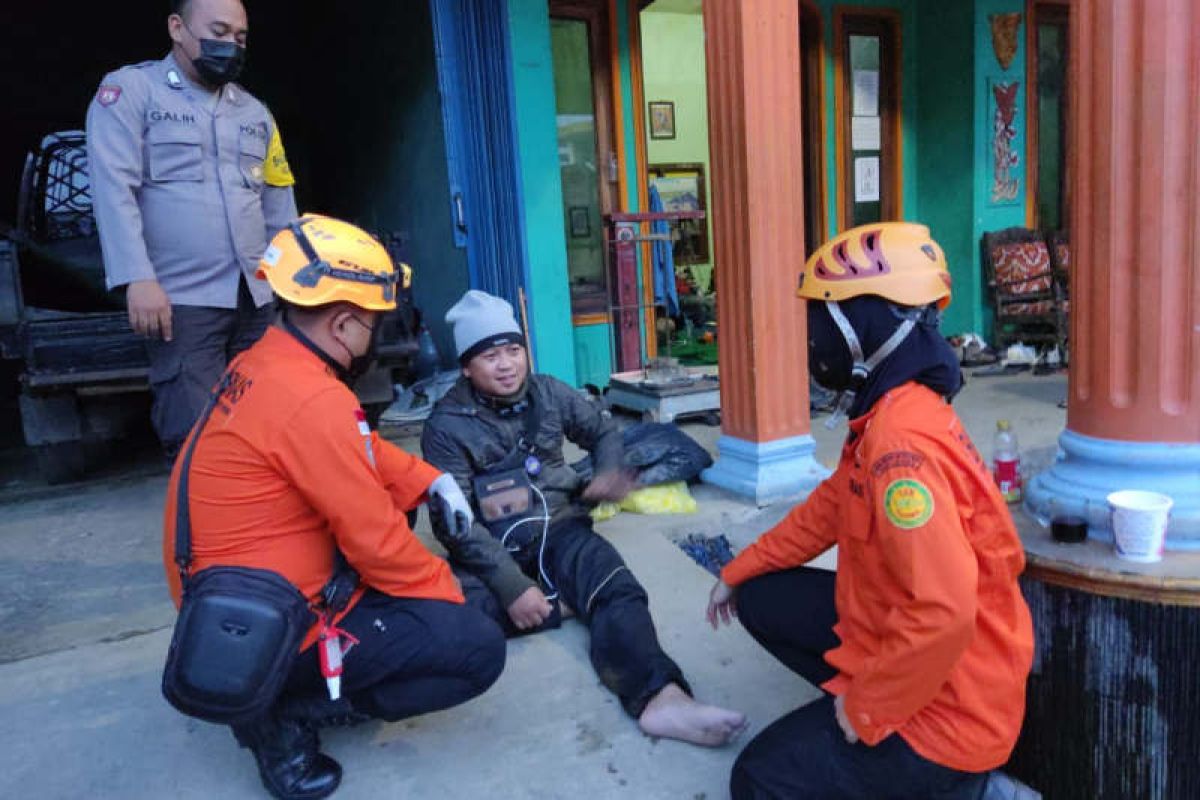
(866, 130)
(576, 113)
(867, 59)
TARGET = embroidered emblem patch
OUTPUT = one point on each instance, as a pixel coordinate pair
(907, 503)
(107, 95)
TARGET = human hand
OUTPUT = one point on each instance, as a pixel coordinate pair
(612, 485)
(149, 309)
(722, 604)
(843, 721)
(530, 609)
(455, 508)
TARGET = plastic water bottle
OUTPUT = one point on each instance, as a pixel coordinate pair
(1006, 462)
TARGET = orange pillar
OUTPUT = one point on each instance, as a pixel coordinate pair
(752, 50)
(1133, 416)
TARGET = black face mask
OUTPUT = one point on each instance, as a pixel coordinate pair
(360, 364)
(220, 62)
(829, 359)
(922, 356)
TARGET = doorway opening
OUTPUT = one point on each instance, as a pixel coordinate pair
(1048, 77)
(867, 70)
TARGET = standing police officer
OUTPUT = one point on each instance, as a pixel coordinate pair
(189, 183)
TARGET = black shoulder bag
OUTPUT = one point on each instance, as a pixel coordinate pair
(239, 628)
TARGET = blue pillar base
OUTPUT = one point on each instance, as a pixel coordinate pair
(766, 472)
(1088, 469)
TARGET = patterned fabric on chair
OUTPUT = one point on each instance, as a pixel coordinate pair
(1027, 309)
(1060, 261)
(1022, 267)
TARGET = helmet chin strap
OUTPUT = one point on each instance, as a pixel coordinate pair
(862, 367)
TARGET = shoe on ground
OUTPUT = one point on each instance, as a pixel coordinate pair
(289, 757)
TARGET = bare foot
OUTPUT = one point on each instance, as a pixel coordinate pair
(672, 714)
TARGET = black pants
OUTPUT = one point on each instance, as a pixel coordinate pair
(184, 370)
(805, 754)
(414, 656)
(593, 580)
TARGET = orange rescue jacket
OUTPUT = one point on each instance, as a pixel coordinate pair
(936, 639)
(286, 468)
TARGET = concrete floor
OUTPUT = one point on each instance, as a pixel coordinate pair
(86, 622)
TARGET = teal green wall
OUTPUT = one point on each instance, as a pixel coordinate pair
(946, 163)
(989, 216)
(593, 354)
(673, 69)
(537, 144)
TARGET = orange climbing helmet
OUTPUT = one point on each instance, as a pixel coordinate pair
(318, 260)
(898, 261)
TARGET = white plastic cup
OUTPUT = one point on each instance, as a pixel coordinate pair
(1139, 521)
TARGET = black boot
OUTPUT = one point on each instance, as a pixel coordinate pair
(289, 758)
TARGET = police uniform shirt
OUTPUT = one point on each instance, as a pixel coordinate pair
(188, 185)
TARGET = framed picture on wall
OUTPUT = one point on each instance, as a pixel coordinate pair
(681, 188)
(581, 228)
(662, 119)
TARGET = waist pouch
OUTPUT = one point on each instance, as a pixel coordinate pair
(237, 636)
(504, 498)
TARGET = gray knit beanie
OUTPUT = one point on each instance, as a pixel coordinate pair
(482, 321)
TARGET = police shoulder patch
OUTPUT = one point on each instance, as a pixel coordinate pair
(276, 170)
(108, 94)
(907, 503)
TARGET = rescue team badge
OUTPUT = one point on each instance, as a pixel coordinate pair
(107, 95)
(907, 503)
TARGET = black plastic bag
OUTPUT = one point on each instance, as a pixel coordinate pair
(660, 452)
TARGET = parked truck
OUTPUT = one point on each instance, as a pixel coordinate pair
(83, 371)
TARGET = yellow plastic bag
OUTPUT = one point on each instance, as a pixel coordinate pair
(663, 498)
(605, 510)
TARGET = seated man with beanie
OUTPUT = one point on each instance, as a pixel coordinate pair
(499, 432)
(921, 641)
(284, 475)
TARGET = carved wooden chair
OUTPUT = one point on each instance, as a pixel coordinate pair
(1028, 301)
(1059, 245)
